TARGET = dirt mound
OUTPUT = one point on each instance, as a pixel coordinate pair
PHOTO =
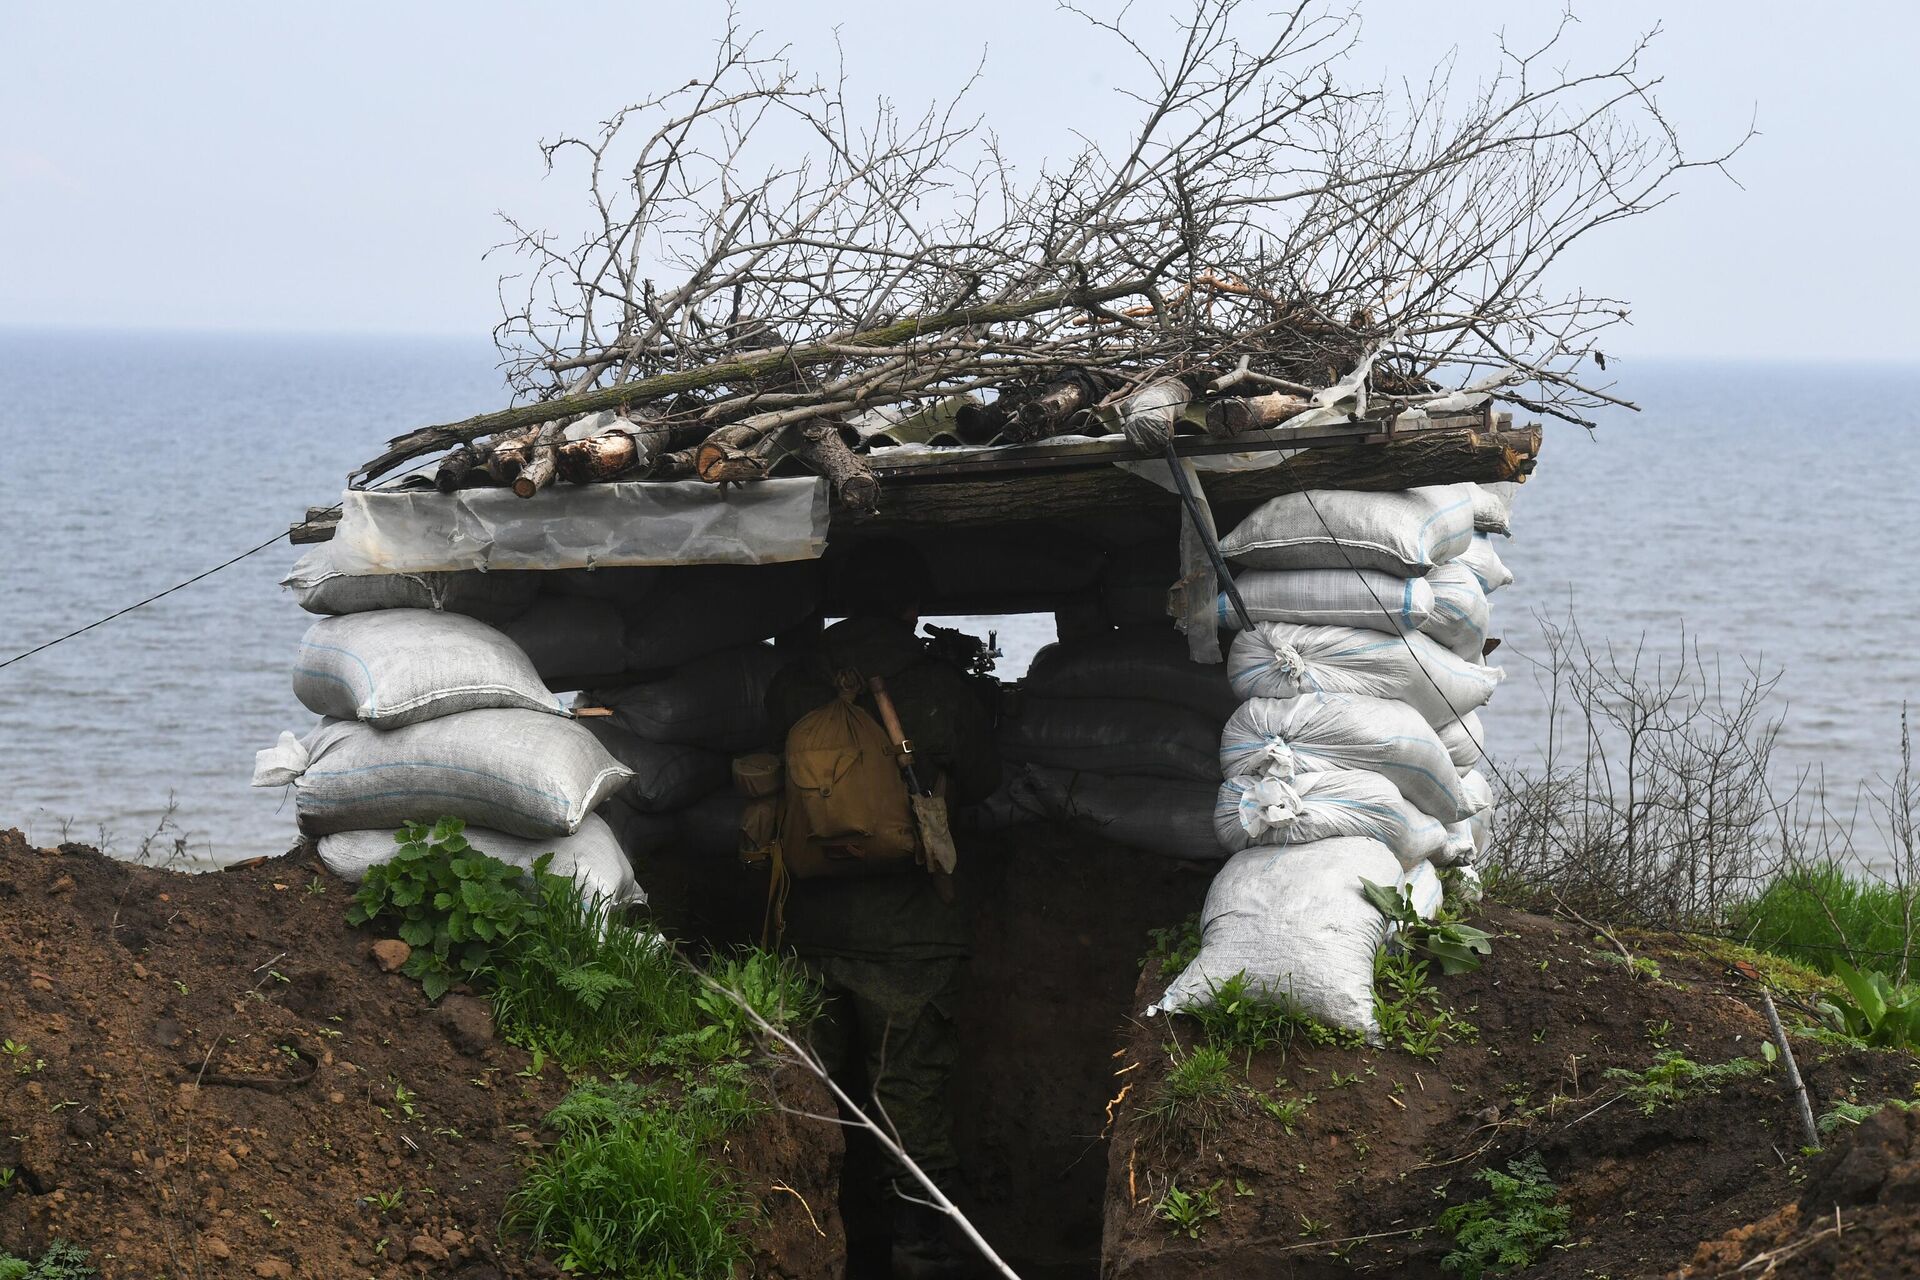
(1357, 1177)
(1858, 1219)
(210, 1076)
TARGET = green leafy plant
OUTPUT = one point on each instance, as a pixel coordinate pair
(1878, 1013)
(385, 1202)
(1187, 1213)
(1508, 1228)
(1846, 1115)
(1454, 946)
(61, 1261)
(625, 1192)
(1409, 1010)
(1174, 947)
(452, 904)
(1673, 1078)
(1288, 1113)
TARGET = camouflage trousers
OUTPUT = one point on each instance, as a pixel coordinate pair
(886, 1033)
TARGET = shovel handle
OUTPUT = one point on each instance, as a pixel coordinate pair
(889, 717)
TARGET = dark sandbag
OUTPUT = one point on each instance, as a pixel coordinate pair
(697, 611)
(665, 776)
(1148, 665)
(718, 702)
(1115, 736)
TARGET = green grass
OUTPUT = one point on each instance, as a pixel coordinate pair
(624, 1191)
(1823, 915)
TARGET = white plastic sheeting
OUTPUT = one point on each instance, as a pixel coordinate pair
(581, 526)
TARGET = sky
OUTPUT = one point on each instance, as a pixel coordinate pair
(341, 167)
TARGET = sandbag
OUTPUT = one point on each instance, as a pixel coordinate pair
(1478, 790)
(1296, 923)
(1460, 615)
(1152, 666)
(1170, 816)
(1360, 598)
(1463, 739)
(318, 587)
(1134, 586)
(622, 585)
(1319, 806)
(396, 667)
(1403, 534)
(571, 641)
(718, 702)
(703, 609)
(1119, 735)
(1488, 568)
(666, 776)
(520, 772)
(1493, 506)
(641, 834)
(1282, 660)
(591, 857)
(1287, 737)
(710, 827)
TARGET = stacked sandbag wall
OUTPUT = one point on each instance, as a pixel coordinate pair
(1355, 753)
(440, 695)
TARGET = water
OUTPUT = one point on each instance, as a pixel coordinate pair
(1742, 504)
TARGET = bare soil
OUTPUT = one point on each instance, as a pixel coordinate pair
(209, 1086)
(1368, 1168)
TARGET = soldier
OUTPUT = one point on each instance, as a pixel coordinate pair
(889, 945)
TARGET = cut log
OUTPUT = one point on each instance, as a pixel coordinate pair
(1375, 464)
(980, 423)
(822, 447)
(540, 469)
(509, 454)
(454, 468)
(1047, 412)
(602, 457)
(1239, 415)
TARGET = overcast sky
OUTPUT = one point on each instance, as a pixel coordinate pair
(340, 167)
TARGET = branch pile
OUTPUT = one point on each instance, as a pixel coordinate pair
(764, 273)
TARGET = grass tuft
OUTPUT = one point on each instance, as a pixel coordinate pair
(1822, 914)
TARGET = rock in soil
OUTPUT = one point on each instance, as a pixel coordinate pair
(390, 954)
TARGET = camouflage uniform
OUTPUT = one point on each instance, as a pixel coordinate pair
(888, 950)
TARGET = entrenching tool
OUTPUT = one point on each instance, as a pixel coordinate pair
(929, 810)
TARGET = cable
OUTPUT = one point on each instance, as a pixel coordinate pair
(99, 622)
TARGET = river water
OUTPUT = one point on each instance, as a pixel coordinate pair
(1763, 511)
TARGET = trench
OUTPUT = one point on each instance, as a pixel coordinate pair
(1060, 924)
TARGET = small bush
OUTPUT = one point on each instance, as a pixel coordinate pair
(1673, 1078)
(625, 1192)
(1508, 1228)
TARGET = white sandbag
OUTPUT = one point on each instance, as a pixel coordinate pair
(1282, 660)
(1423, 886)
(703, 609)
(591, 857)
(1287, 737)
(520, 772)
(1478, 791)
(1153, 666)
(666, 776)
(572, 641)
(1296, 923)
(1480, 830)
(1362, 598)
(491, 597)
(1169, 816)
(1320, 806)
(1404, 534)
(395, 667)
(1463, 739)
(1487, 566)
(1459, 616)
(718, 702)
(1119, 735)
(1493, 506)
(1459, 848)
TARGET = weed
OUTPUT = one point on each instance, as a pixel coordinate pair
(61, 1261)
(1187, 1213)
(454, 905)
(1338, 1081)
(1238, 1016)
(1510, 1227)
(21, 1056)
(1408, 1008)
(1289, 1113)
(625, 1192)
(1674, 1078)
(1197, 1090)
(536, 1063)
(1820, 915)
(7, 1176)
(1645, 968)
(1874, 1010)
(1311, 1227)
(1659, 1032)
(403, 1098)
(385, 1202)
(1174, 947)
(1454, 946)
